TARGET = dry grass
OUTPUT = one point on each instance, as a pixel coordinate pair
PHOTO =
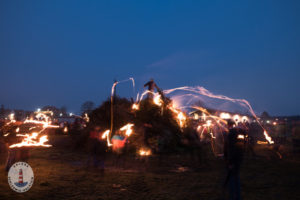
(62, 174)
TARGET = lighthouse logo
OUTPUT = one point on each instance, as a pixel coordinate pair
(20, 177)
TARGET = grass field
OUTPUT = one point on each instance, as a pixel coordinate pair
(61, 173)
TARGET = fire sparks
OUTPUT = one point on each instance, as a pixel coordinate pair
(45, 124)
(128, 129)
(65, 129)
(86, 117)
(157, 100)
(31, 140)
(106, 135)
(241, 137)
(268, 138)
(181, 118)
(11, 118)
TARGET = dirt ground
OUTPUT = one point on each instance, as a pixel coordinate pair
(61, 173)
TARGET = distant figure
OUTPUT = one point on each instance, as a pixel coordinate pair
(151, 86)
(96, 149)
(233, 154)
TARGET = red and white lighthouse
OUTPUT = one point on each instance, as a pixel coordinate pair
(21, 176)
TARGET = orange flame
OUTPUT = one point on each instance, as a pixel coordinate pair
(144, 152)
(268, 138)
(135, 106)
(128, 129)
(30, 140)
(106, 135)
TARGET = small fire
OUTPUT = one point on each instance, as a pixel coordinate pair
(11, 119)
(198, 128)
(128, 129)
(181, 119)
(208, 123)
(236, 118)
(268, 138)
(144, 152)
(5, 135)
(225, 115)
(106, 135)
(212, 135)
(204, 116)
(135, 106)
(86, 117)
(157, 100)
(65, 129)
(31, 140)
(245, 119)
(241, 137)
(262, 142)
(17, 130)
(196, 116)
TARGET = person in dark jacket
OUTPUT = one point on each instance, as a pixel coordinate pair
(96, 149)
(233, 154)
(151, 86)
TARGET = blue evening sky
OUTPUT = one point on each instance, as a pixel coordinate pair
(66, 52)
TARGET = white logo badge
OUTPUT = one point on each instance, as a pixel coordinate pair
(20, 177)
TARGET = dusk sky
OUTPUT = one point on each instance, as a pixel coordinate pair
(66, 52)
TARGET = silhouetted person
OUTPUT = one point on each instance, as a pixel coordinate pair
(151, 86)
(96, 149)
(233, 154)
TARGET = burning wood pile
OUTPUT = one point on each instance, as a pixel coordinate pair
(155, 123)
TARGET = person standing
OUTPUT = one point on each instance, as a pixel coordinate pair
(96, 149)
(151, 86)
(233, 155)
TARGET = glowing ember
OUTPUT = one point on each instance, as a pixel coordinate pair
(17, 130)
(11, 119)
(262, 142)
(144, 152)
(5, 135)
